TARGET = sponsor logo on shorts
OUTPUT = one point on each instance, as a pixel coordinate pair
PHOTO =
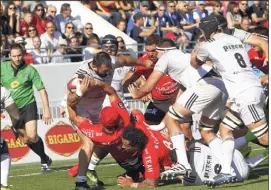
(152, 111)
(62, 139)
(17, 149)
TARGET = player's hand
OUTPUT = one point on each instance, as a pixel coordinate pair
(133, 91)
(62, 112)
(125, 181)
(148, 63)
(47, 118)
(84, 85)
(147, 98)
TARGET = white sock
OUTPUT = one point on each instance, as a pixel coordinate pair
(5, 166)
(240, 143)
(255, 161)
(81, 178)
(216, 147)
(228, 150)
(178, 145)
(94, 161)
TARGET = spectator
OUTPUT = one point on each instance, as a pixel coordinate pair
(90, 4)
(111, 11)
(217, 8)
(162, 22)
(25, 23)
(200, 12)
(88, 31)
(144, 10)
(60, 55)
(186, 20)
(137, 33)
(69, 31)
(4, 46)
(92, 47)
(80, 38)
(233, 15)
(243, 9)
(39, 54)
(257, 13)
(32, 4)
(28, 59)
(49, 39)
(74, 49)
(31, 33)
(10, 21)
(173, 16)
(39, 18)
(122, 47)
(121, 25)
(18, 5)
(245, 24)
(127, 7)
(51, 13)
(64, 17)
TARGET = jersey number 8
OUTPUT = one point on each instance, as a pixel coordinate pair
(240, 60)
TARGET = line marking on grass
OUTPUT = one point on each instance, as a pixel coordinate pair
(39, 173)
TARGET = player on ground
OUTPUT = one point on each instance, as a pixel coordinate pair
(7, 104)
(232, 62)
(205, 92)
(19, 78)
(154, 148)
(107, 134)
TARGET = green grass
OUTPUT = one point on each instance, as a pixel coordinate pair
(59, 179)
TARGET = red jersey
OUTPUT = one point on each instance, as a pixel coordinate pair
(28, 58)
(165, 89)
(155, 153)
(257, 59)
(23, 27)
(40, 24)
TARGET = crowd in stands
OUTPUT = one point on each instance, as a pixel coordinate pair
(51, 35)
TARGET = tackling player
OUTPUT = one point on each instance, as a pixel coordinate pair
(232, 62)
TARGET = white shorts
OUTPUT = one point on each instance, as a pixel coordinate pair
(250, 105)
(240, 166)
(208, 96)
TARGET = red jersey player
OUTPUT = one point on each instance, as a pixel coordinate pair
(106, 134)
(154, 147)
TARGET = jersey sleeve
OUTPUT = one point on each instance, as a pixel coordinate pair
(202, 52)
(36, 80)
(162, 64)
(240, 34)
(119, 106)
(151, 163)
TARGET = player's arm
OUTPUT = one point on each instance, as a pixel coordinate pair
(124, 60)
(71, 106)
(147, 87)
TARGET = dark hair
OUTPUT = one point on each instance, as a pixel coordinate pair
(135, 136)
(31, 26)
(7, 7)
(91, 38)
(231, 6)
(153, 39)
(78, 34)
(64, 6)
(137, 16)
(102, 58)
(49, 21)
(17, 46)
(40, 5)
(121, 20)
(166, 43)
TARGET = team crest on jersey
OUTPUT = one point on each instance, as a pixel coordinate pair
(121, 105)
(14, 84)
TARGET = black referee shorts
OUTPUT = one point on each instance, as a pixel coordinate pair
(28, 113)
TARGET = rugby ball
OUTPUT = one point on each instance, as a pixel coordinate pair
(73, 84)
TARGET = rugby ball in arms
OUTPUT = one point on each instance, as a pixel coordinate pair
(73, 84)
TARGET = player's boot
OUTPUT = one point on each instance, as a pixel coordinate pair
(221, 179)
(4, 187)
(82, 186)
(73, 171)
(176, 170)
(45, 168)
(93, 177)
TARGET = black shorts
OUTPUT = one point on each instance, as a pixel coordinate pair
(3, 146)
(156, 111)
(28, 113)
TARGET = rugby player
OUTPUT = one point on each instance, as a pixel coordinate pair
(232, 62)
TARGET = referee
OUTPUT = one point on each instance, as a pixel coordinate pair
(19, 78)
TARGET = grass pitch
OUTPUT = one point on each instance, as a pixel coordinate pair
(28, 177)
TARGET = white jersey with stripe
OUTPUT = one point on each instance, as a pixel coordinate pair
(205, 165)
(6, 99)
(176, 64)
(231, 60)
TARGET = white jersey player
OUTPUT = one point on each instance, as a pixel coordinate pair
(205, 93)
(231, 61)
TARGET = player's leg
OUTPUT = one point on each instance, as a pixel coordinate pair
(35, 143)
(5, 164)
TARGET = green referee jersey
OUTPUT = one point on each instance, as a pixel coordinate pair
(21, 82)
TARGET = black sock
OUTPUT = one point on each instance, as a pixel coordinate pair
(38, 148)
